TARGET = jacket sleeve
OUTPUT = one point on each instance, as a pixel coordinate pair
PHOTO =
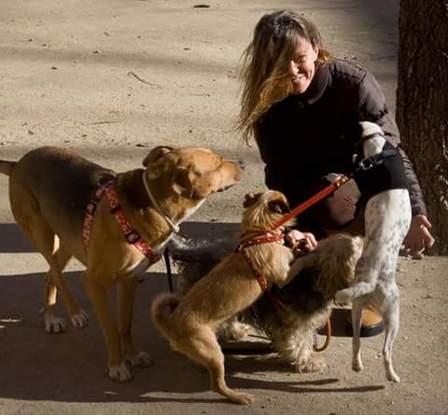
(372, 107)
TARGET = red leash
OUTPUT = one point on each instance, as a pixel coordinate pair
(326, 191)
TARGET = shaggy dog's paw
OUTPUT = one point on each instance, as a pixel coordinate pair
(80, 319)
(140, 359)
(314, 364)
(54, 324)
(235, 331)
(342, 297)
(120, 373)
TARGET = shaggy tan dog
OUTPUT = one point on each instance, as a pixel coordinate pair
(190, 322)
(308, 300)
(50, 190)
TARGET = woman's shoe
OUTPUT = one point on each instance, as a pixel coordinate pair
(372, 324)
(341, 323)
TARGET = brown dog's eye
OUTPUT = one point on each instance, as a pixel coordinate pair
(278, 206)
(251, 198)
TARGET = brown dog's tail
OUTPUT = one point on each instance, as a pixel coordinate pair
(161, 312)
(7, 166)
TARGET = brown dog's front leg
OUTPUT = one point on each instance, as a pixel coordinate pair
(97, 293)
(126, 296)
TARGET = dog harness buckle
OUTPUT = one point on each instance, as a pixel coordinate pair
(132, 237)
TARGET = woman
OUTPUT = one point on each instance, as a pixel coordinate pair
(302, 105)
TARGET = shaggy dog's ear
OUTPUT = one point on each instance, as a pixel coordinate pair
(278, 206)
(251, 198)
(156, 153)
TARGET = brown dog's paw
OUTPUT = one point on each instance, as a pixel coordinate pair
(140, 359)
(241, 398)
(120, 373)
(54, 324)
(80, 319)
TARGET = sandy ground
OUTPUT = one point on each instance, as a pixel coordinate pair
(113, 78)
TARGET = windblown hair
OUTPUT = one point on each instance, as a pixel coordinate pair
(264, 70)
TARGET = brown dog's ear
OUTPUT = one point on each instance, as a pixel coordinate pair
(251, 198)
(182, 183)
(156, 153)
(278, 206)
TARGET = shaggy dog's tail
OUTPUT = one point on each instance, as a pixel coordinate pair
(7, 166)
(161, 310)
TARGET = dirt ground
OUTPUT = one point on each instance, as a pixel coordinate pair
(113, 78)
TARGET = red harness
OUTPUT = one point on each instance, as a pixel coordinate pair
(262, 281)
(132, 236)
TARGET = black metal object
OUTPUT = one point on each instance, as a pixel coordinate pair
(166, 257)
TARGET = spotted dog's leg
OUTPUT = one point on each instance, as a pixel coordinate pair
(356, 341)
(391, 325)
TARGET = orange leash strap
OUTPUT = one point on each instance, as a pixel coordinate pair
(327, 339)
(326, 191)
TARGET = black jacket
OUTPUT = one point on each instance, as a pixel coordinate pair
(307, 136)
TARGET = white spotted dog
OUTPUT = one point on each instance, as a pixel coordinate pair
(380, 177)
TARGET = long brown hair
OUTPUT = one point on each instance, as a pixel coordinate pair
(264, 70)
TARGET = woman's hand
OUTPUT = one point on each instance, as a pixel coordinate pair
(419, 237)
(301, 242)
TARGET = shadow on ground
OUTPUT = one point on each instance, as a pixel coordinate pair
(70, 367)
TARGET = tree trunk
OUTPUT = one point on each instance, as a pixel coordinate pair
(422, 104)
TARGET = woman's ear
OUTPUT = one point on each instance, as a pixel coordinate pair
(316, 52)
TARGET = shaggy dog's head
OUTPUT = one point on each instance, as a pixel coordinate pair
(262, 211)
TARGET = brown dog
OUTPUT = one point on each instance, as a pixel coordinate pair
(49, 190)
(190, 322)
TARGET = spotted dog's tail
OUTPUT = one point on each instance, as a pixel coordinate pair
(6, 167)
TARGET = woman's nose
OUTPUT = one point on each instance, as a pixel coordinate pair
(293, 70)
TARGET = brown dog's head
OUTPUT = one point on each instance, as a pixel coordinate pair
(263, 210)
(191, 172)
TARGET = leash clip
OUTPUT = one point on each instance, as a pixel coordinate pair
(368, 163)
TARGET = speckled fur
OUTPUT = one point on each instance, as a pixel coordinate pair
(387, 220)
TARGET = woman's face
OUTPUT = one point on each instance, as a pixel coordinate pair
(302, 66)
